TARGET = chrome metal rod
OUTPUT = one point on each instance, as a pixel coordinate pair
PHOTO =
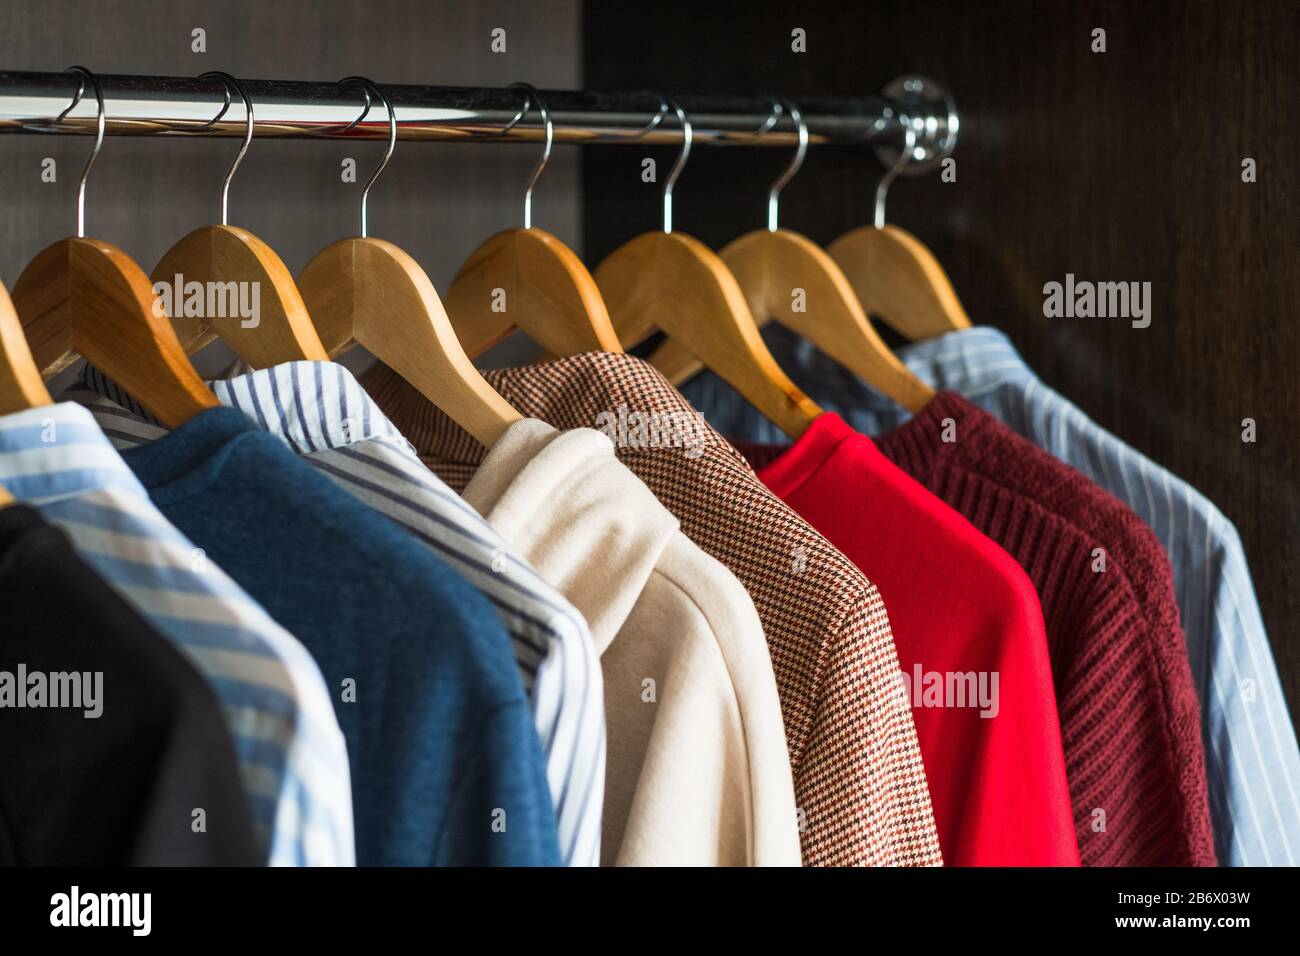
(183, 106)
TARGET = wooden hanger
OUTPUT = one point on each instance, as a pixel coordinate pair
(85, 297)
(894, 275)
(283, 331)
(21, 385)
(769, 264)
(369, 292)
(668, 281)
(549, 293)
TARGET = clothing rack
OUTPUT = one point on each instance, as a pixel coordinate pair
(186, 106)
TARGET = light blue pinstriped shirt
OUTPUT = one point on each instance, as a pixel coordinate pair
(1252, 760)
(292, 756)
(324, 415)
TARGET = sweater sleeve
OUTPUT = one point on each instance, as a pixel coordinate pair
(1131, 721)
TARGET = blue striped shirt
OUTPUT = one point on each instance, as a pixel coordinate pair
(323, 414)
(292, 756)
(1252, 761)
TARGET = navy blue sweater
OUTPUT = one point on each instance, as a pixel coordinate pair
(446, 765)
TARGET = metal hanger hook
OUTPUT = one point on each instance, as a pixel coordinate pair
(368, 87)
(101, 123)
(904, 157)
(667, 103)
(781, 104)
(531, 96)
(229, 83)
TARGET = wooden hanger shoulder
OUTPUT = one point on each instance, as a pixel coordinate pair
(86, 297)
(530, 280)
(898, 279)
(370, 292)
(227, 254)
(6, 499)
(769, 266)
(676, 284)
(21, 385)
(787, 277)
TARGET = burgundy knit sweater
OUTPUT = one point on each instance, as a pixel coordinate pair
(1130, 720)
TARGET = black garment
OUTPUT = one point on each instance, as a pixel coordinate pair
(120, 788)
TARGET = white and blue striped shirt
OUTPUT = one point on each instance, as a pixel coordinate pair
(323, 414)
(1252, 761)
(292, 755)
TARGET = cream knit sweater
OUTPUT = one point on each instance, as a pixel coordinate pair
(698, 772)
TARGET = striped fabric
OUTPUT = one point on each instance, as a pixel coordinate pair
(1252, 762)
(291, 752)
(859, 782)
(321, 412)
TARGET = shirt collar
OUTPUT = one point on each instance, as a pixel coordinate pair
(311, 406)
(58, 451)
(967, 361)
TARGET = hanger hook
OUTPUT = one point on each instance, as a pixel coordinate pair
(101, 123)
(229, 83)
(368, 87)
(904, 157)
(667, 103)
(654, 121)
(531, 96)
(781, 104)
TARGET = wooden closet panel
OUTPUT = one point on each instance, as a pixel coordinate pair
(1122, 166)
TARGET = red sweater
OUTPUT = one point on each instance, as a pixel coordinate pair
(964, 615)
(1130, 720)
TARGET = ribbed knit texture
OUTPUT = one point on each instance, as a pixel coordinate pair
(1130, 719)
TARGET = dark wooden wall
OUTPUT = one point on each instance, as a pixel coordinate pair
(1117, 166)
